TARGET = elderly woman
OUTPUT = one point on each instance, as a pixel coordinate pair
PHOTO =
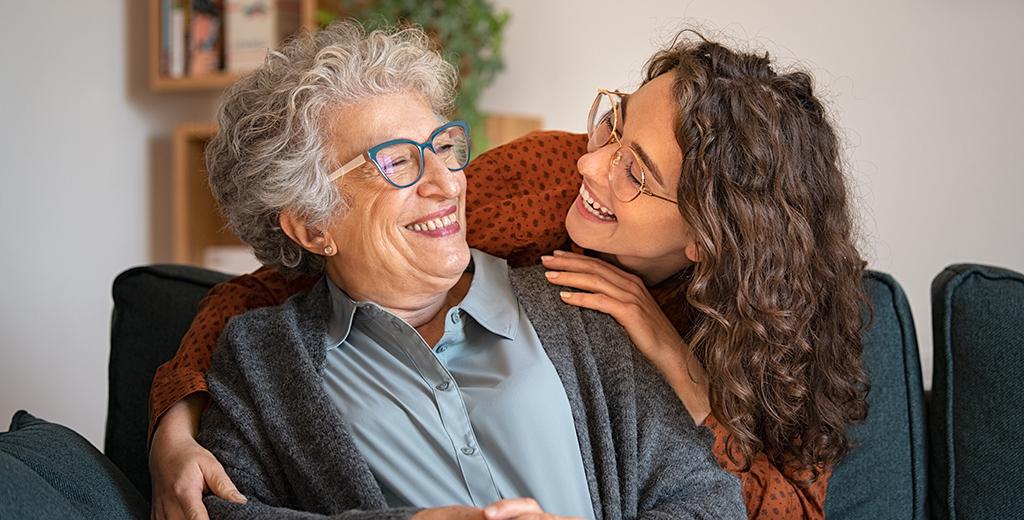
(418, 378)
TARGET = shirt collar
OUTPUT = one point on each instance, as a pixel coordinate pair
(343, 311)
(490, 301)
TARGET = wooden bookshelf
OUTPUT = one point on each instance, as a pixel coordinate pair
(210, 82)
(195, 222)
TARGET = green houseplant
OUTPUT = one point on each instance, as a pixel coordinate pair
(468, 33)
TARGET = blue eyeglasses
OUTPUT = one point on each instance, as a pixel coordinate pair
(401, 161)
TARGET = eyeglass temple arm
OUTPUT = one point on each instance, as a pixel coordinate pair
(347, 167)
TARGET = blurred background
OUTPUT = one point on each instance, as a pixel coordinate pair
(101, 134)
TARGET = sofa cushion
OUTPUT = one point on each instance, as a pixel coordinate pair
(884, 475)
(153, 308)
(49, 471)
(975, 415)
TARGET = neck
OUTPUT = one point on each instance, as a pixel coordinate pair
(416, 301)
(652, 271)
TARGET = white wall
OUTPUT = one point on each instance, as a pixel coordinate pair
(926, 93)
(85, 148)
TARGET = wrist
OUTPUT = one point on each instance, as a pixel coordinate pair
(182, 418)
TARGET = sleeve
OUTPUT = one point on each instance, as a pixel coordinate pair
(771, 493)
(185, 373)
(244, 452)
(517, 195)
(679, 477)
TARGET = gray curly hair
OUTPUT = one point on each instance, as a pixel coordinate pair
(272, 151)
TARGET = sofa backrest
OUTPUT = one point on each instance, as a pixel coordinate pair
(885, 474)
(975, 419)
(153, 308)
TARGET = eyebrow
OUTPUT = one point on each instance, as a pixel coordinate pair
(640, 149)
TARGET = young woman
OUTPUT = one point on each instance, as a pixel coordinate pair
(717, 192)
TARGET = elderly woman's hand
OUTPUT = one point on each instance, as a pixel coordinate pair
(181, 469)
(624, 297)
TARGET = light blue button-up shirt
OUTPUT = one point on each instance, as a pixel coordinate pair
(480, 417)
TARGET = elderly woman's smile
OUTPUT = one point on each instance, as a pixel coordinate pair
(437, 224)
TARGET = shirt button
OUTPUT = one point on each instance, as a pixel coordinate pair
(443, 386)
(469, 450)
(397, 325)
(455, 317)
(441, 349)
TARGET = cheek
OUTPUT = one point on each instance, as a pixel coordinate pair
(662, 225)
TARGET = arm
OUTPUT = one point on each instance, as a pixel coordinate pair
(771, 492)
(184, 374)
(180, 468)
(517, 195)
(678, 478)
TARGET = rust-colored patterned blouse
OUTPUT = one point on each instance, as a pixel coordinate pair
(517, 197)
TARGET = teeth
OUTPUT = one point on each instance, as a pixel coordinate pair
(433, 225)
(594, 206)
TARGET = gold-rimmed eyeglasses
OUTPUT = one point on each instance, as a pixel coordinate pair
(627, 172)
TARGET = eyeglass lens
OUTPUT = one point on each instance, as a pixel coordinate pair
(600, 123)
(401, 162)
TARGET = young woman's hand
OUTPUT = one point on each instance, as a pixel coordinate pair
(624, 297)
(181, 469)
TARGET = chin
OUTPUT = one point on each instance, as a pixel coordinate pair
(453, 261)
(582, 233)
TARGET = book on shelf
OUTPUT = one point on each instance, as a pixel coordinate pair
(250, 30)
(204, 38)
(172, 38)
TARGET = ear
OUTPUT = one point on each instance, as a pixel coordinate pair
(692, 253)
(312, 240)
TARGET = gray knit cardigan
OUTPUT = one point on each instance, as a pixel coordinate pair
(285, 446)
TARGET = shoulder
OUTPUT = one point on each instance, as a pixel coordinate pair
(276, 325)
(595, 331)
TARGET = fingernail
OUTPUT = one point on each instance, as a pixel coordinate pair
(240, 497)
(545, 258)
(551, 275)
(559, 252)
(489, 511)
(565, 295)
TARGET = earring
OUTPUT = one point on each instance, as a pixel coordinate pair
(329, 250)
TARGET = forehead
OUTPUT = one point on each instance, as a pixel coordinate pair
(650, 123)
(355, 128)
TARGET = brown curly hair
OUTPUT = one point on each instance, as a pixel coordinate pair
(779, 305)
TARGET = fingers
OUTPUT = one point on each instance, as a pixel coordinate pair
(190, 500)
(599, 264)
(218, 481)
(625, 313)
(512, 508)
(562, 261)
(592, 283)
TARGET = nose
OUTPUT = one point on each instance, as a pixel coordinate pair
(593, 165)
(438, 180)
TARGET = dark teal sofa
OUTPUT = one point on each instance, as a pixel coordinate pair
(886, 476)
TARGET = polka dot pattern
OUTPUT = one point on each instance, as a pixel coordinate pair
(516, 201)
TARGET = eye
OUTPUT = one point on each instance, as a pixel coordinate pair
(629, 173)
